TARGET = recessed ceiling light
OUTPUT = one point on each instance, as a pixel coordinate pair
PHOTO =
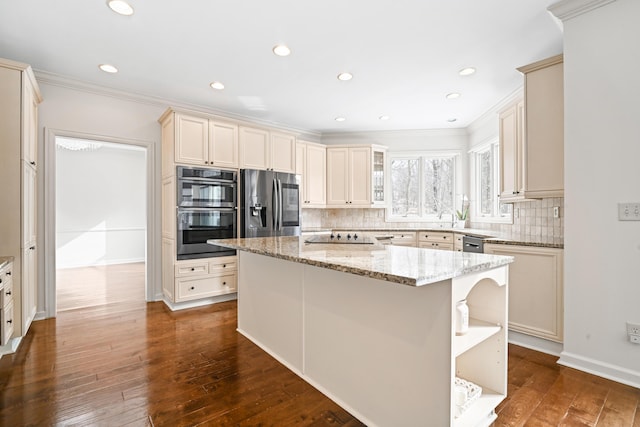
(281, 50)
(383, 117)
(467, 71)
(453, 95)
(451, 120)
(340, 119)
(108, 68)
(121, 7)
(217, 85)
(345, 76)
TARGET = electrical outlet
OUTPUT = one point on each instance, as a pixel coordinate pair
(634, 339)
(556, 212)
(628, 211)
(633, 329)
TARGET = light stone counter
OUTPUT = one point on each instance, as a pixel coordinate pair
(404, 265)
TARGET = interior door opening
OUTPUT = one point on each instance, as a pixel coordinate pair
(101, 221)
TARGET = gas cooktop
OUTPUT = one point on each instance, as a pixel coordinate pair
(342, 238)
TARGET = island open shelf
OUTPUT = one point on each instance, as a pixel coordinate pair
(375, 335)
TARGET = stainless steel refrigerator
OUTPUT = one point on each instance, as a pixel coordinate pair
(269, 203)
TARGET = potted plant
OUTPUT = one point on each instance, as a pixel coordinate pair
(462, 217)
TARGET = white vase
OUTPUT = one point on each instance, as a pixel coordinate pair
(462, 317)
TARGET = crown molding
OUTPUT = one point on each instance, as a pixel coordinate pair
(569, 9)
(52, 79)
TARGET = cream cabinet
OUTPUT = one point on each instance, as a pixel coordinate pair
(19, 99)
(202, 141)
(267, 150)
(404, 238)
(202, 278)
(441, 240)
(532, 135)
(535, 289)
(6, 303)
(311, 165)
(351, 178)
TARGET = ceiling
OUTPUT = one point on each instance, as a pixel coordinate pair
(404, 55)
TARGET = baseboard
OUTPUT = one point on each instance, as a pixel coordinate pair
(11, 347)
(175, 306)
(601, 369)
(535, 343)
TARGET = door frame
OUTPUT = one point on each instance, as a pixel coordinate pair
(48, 286)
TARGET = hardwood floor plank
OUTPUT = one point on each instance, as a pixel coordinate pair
(140, 364)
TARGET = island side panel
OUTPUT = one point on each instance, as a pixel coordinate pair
(381, 350)
(270, 306)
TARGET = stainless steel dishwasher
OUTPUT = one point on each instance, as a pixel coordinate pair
(473, 244)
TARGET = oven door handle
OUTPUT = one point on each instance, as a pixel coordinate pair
(187, 210)
(207, 180)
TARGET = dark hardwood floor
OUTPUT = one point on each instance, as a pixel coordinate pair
(139, 364)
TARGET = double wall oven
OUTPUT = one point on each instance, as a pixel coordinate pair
(207, 209)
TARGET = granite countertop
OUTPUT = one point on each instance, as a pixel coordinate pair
(403, 265)
(4, 260)
(491, 236)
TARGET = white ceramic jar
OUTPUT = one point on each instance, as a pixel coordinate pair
(462, 317)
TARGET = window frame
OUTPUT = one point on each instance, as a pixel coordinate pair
(456, 155)
(476, 216)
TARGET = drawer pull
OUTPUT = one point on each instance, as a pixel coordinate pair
(224, 265)
(7, 293)
(192, 288)
(8, 273)
(9, 321)
(224, 283)
(193, 269)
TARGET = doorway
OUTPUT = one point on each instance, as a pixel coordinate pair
(100, 222)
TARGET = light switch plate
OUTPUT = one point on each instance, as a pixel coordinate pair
(629, 211)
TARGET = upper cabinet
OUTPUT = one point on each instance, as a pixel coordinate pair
(198, 141)
(265, 150)
(311, 165)
(532, 136)
(353, 175)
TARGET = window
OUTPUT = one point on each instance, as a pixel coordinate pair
(422, 185)
(486, 185)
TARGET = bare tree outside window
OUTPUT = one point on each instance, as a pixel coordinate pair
(422, 187)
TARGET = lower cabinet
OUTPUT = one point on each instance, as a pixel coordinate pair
(404, 239)
(535, 290)
(6, 304)
(205, 277)
(436, 240)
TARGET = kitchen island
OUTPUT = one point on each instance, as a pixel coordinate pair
(373, 327)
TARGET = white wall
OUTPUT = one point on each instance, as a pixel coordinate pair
(94, 113)
(602, 151)
(100, 206)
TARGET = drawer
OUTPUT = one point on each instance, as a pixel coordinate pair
(190, 289)
(6, 318)
(457, 242)
(7, 292)
(191, 268)
(404, 239)
(223, 265)
(437, 245)
(436, 236)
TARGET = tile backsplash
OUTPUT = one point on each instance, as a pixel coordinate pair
(532, 220)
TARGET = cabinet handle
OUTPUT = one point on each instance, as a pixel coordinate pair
(444, 237)
(193, 269)
(33, 248)
(224, 283)
(224, 265)
(10, 321)
(192, 288)
(8, 273)
(32, 163)
(7, 293)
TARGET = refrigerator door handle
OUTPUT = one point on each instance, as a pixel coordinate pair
(274, 204)
(280, 209)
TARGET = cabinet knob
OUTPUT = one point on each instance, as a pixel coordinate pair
(32, 163)
(8, 273)
(193, 269)
(33, 248)
(224, 265)
(224, 283)
(192, 288)
(8, 293)
(9, 321)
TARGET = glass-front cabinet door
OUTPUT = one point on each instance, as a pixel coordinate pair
(377, 181)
